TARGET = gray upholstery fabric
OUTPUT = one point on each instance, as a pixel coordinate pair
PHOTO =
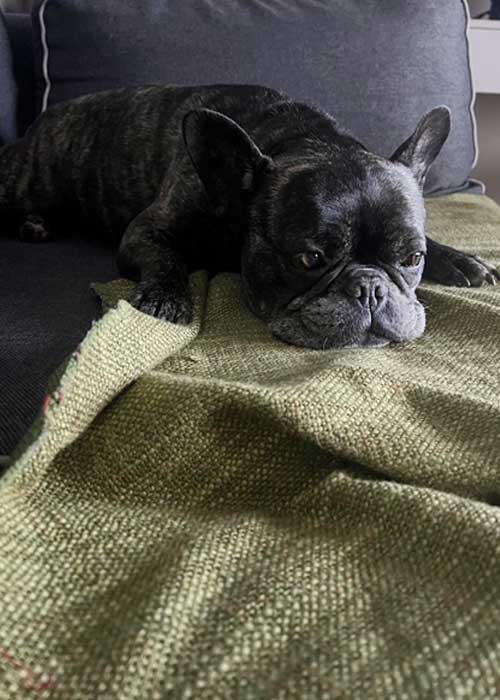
(8, 128)
(46, 308)
(377, 65)
(20, 34)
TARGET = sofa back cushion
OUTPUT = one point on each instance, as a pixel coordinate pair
(20, 33)
(376, 65)
(8, 93)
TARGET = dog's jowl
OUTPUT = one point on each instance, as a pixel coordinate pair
(329, 237)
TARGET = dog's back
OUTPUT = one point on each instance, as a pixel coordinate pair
(104, 156)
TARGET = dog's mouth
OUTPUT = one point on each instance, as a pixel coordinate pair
(327, 315)
(341, 335)
(301, 332)
(336, 321)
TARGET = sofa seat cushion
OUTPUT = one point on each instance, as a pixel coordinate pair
(47, 307)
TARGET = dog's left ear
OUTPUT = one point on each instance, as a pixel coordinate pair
(422, 148)
(225, 157)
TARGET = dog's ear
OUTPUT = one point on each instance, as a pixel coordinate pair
(225, 157)
(422, 148)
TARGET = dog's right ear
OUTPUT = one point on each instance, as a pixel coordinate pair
(225, 157)
(422, 148)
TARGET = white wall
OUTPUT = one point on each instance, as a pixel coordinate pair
(478, 6)
(487, 109)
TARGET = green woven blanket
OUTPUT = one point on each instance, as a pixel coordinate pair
(207, 513)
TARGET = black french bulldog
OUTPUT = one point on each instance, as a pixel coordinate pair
(329, 237)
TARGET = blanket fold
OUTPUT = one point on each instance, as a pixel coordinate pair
(206, 512)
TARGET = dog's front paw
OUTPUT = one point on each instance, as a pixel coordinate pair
(452, 267)
(153, 298)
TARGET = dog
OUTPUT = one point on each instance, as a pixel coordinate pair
(329, 237)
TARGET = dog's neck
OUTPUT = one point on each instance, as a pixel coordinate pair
(306, 132)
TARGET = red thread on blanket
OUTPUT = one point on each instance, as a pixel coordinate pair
(47, 400)
(46, 404)
(32, 681)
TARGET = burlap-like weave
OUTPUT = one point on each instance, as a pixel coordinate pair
(208, 513)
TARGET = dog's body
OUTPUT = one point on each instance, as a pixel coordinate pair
(328, 236)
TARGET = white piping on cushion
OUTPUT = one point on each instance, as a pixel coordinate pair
(45, 60)
(473, 91)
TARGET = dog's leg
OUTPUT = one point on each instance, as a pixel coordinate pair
(148, 254)
(454, 268)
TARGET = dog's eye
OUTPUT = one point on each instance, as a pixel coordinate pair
(412, 260)
(311, 260)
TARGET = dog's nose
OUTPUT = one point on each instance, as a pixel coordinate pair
(369, 292)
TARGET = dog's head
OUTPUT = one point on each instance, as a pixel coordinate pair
(335, 245)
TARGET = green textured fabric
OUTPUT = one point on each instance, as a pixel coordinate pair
(207, 513)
